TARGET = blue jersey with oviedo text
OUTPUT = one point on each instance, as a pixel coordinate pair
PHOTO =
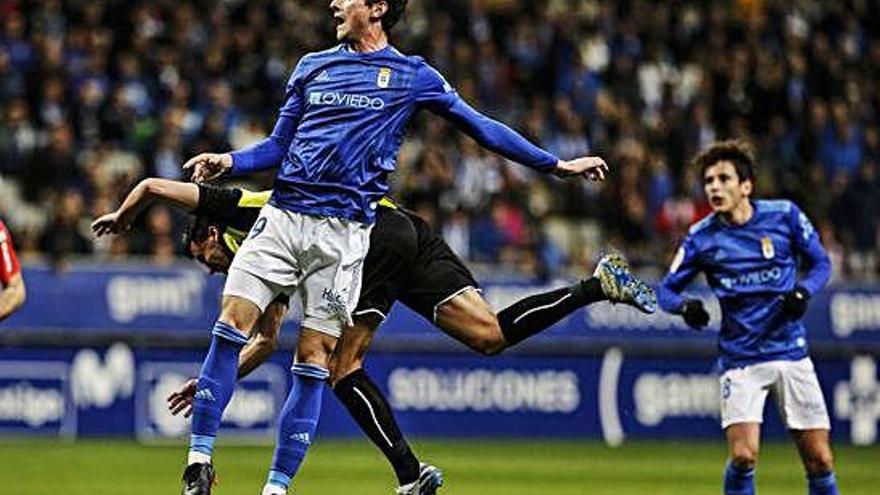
(342, 124)
(750, 267)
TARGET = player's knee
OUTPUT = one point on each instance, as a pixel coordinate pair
(819, 463)
(744, 457)
(335, 366)
(239, 316)
(312, 355)
(315, 351)
(340, 370)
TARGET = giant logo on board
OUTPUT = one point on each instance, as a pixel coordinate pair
(656, 397)
(131, 297)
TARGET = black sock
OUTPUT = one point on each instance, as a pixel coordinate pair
(359, 394)
(535, 314)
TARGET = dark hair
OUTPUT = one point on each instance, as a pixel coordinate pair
(735, 151)
(393, 14)
(196, 231)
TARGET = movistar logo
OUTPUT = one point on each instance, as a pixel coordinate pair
(756, 277)
(337, 99)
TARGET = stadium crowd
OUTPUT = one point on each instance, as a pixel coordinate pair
(97, 94)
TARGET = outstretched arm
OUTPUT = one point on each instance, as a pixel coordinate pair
(179, 195)
(501, 139)
(434, 93)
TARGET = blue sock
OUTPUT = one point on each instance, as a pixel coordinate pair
(738, 480)
(298, 422)
(823, 485)
(216, 384)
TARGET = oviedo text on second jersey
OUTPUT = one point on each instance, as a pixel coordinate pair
(750, 267)
(342, 124)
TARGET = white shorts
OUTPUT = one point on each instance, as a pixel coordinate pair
(795, 389)
(321, 258)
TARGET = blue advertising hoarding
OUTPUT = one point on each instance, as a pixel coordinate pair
(637, 377)
(184, 300)
(613, 396)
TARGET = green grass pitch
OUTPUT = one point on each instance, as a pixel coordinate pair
(472, 468)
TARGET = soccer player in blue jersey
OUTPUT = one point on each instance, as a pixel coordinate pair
(336, 138)
(749, 251)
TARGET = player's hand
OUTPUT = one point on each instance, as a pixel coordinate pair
(108, 224)
(794, 303)
(695, 315)
(182, 399)
(589, 167)
(208, 166)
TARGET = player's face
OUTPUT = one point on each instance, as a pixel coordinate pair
(211, 254)
(352, 18)
(724, 189)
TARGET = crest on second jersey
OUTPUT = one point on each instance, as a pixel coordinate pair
(767, 248)
(384, 78)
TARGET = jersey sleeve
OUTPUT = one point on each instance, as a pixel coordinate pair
(269, 152)
(432, 91)
(9, 266)
(218, 203)
(809, 246)
(685, 266)
(437, 95)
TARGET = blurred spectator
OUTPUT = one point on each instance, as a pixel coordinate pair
(862, 203)
(67, 233)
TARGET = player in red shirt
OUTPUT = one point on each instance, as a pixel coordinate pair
(13, 294)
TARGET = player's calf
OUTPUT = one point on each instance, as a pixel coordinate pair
(296, 425)
(819, 464)
(366, 404)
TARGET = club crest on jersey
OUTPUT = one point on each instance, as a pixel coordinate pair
(767, 248)
(384, 78)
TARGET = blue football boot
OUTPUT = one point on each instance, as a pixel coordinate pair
(620, 285)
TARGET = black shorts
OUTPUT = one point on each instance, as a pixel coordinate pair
(408, 262)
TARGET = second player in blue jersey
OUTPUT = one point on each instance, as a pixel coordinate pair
(751, 252)
(753, 270)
